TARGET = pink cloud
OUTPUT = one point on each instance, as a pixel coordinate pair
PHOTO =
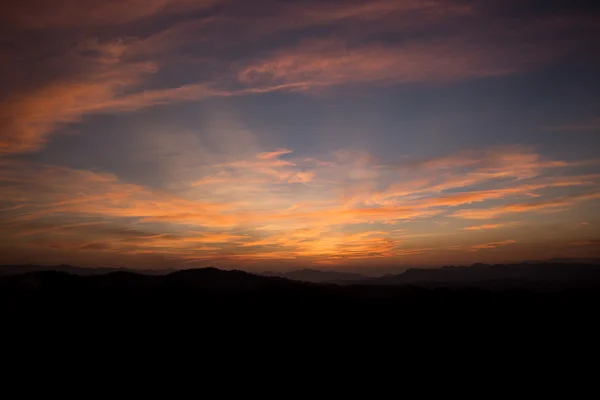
(273, 154)
(69, 14)
(334, 62)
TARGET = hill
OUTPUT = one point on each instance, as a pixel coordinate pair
(316, 276)
(209, 300)
(6, 270)
(525, 275)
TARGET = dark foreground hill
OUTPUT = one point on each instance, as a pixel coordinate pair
(210, 294)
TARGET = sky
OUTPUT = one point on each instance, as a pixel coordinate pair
(277, 134)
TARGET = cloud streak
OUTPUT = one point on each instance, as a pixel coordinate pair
(72, 14)
(252, 209)
(333, 62)
(296, 148)
(122, 72)
(492, 245)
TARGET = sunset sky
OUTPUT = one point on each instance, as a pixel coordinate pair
(277, 134)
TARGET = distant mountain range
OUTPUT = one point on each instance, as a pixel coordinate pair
(82, 271)
(209, 299)
(316, 276)
(565, 261)
(529, 274)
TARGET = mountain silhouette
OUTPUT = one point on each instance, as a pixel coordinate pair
(84, 271)
(528, 274)
(317, 276)
(525, 275)
(208, 299)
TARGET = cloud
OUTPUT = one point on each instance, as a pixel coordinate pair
(496, 212)
(69, 14)
(482, 227)
(333, 62)
(582, 126)
(107, 82)
(270, 155)
(256, 207)
(50, 81)
(105, 74)
(491, 245)
(45, 191)
(302, 177)
(476, 176)
(326, 245)
(239, 22)
(336, 11)
(495, 162)
(594, 243)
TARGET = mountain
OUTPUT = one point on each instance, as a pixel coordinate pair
(83, 271)
(317, 276)
(527, 274)
(556, 273)
(196, 294)
(565, 261)
(240, 307)
(205, 279)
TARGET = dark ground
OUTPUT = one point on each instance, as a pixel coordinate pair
(226, 314)
(212, 294)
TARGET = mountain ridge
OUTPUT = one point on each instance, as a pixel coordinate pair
(316, 276)
(478, 275)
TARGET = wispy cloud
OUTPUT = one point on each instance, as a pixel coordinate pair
(28, 119)
(333, 62)
(273, 205)
(69, 14)
(586, 125)
(496, 212)
(482, 227)
(227, 195)
(120, 73)
(595, 243)
(491, 245)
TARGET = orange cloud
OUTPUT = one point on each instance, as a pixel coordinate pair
(106, 81)
(48, 190)
(482, 227)
(595, 243)
(496, 162)
(326, 245)
(491, 245)
(496, 212)
(516, 170)
(302, 177)
(29, 119)
(115, 75)
(250, 207)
